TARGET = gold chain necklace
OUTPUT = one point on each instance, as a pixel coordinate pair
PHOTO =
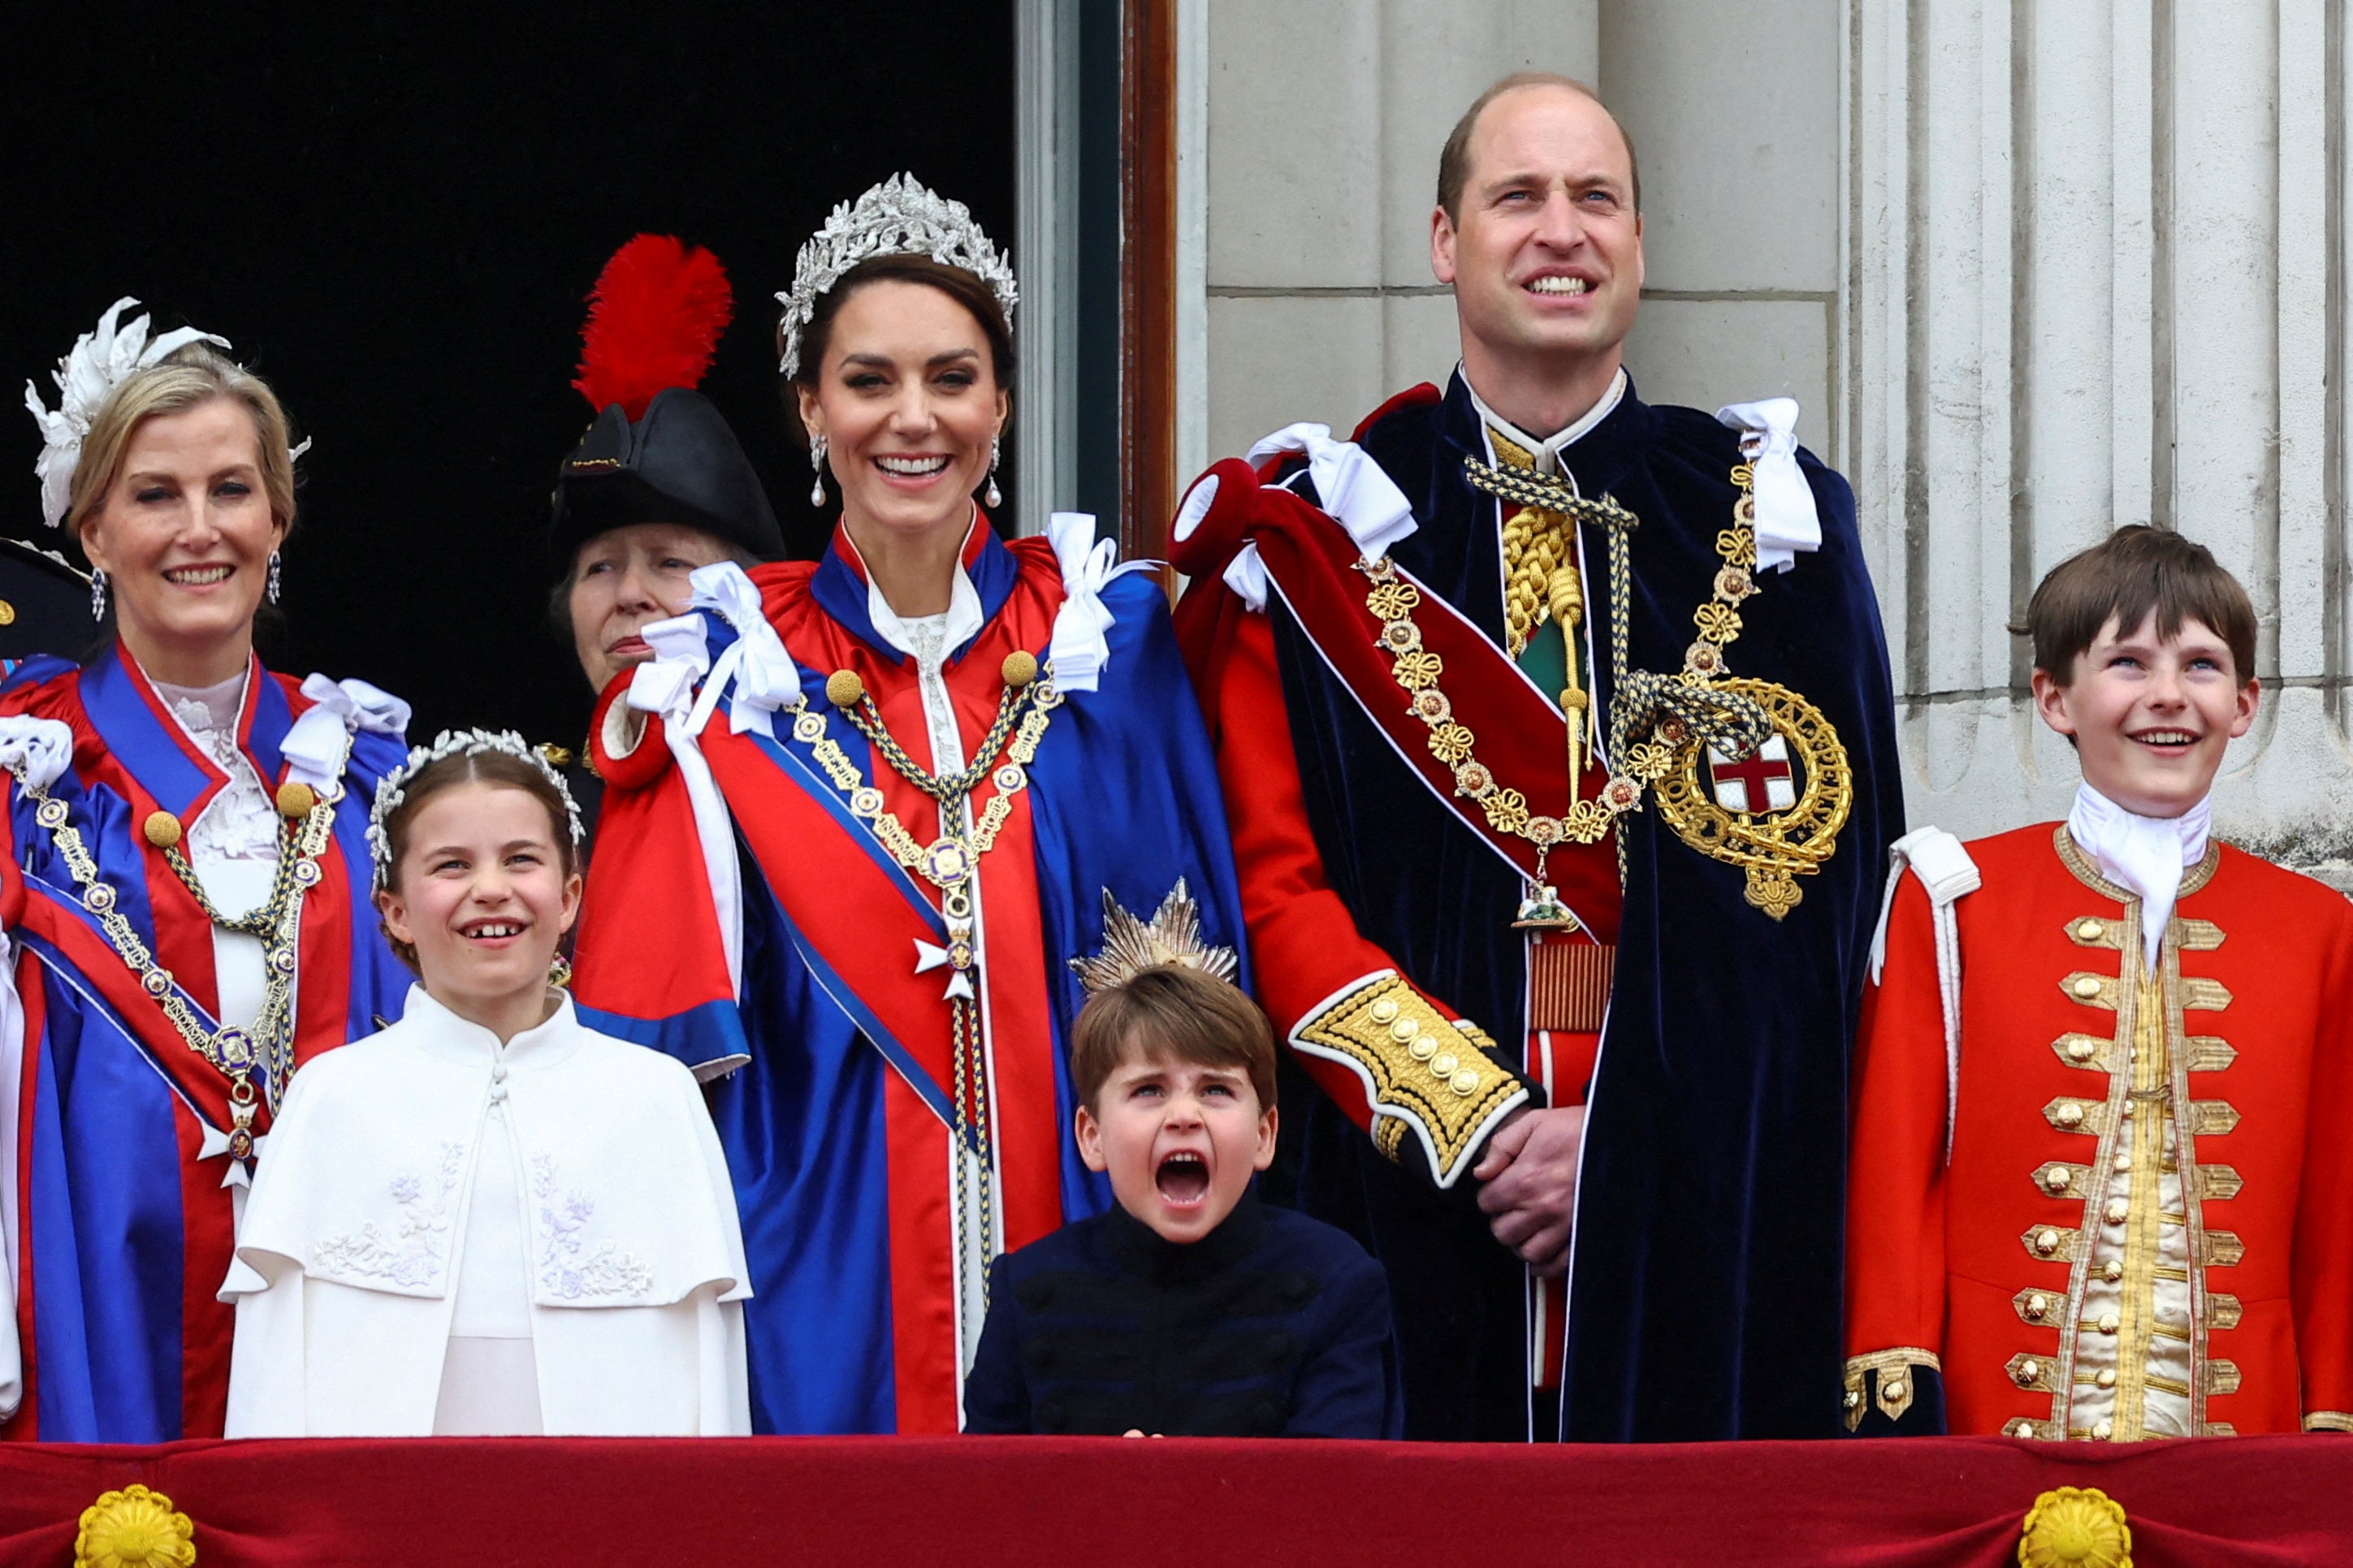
(1650, 716)
(950, 863)
(268, 1046)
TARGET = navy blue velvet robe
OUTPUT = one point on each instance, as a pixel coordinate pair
(1705, 1287)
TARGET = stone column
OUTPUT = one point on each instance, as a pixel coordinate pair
(2094, 275)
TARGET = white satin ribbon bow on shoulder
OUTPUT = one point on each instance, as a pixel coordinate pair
(1349, 485)
(36, 749)
(1787, 522)
(665, 685)
(315, 749)
(754, 673)
(1079, 650)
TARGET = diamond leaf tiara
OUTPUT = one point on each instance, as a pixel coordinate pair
(900, 217)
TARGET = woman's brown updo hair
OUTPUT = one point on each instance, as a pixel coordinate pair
(957, 284)
(497, 769)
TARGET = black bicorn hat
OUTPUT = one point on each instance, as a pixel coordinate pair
(657, 451)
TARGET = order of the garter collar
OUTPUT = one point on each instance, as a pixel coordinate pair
(900, 217)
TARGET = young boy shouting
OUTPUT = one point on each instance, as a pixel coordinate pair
(2102, 1180)
(1187, 1309)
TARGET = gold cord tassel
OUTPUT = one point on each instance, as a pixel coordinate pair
(1565, 591)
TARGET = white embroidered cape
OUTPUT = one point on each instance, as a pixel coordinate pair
(345, 1265)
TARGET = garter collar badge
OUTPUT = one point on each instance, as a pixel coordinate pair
(1744, 771)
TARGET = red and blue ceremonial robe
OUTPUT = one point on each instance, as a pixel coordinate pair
(122, 1213)
(741, 917)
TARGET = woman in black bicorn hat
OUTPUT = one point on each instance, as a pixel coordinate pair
(659, 485)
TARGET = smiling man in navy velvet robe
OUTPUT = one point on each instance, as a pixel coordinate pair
(1557, 734)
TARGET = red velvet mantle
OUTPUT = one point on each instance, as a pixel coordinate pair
(975, 1502)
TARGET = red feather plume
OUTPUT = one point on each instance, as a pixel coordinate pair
(654, 321)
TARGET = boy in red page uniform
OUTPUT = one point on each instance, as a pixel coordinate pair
(2097, 1187)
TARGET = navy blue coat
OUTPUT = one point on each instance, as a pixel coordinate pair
(1272, 1325)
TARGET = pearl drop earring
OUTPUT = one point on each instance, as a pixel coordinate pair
(994, 498)
(817, 461)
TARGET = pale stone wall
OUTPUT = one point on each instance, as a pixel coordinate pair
(2032, 268)
(2096, 277)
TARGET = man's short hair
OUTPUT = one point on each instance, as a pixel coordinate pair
(1171, 1011)
(2132, 571)
(1454, 161)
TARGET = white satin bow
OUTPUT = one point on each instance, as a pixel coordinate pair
(1079, 650)
(35, 749)
(315, 748)
(1787, 522)
(1348, 484)
(753, 673)
(665, 683)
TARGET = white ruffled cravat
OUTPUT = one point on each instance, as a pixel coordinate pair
(2143, 854)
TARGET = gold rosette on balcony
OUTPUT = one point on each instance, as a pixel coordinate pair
(2075, 1528)
(135, 1528)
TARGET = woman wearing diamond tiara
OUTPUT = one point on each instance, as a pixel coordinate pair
(183, 892)
(940, 753)
(488, 1219)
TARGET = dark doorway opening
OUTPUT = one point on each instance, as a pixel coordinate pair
(395, 221)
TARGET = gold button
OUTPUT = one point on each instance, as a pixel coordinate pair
(2046, 1242)
(2102, 1431)
(1854, 1398)
(2091, 930)
(7, 613)
(2107, 1378)
(2056, 1178)
(1019, 669)
(1892, 1389)
(2112, 1270)
(295, 800)
(2070, 1115)
(2086, 986)
(2027, 1371)
(2110, 1323)
(163, 829)
(2116, 1211)
(1443, 1064)
(1385, 1011)
(2124, 1161)
(2036, 1306)
(1404, 1029)
(1464, 1083)
(2081, 1050)
(2127, 1110)
(844, 690)
(1422, 1050)
(2021, 1428)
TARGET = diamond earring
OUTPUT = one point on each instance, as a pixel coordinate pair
(97, 594)
(817, 461)
(274, 585)
(994, 498)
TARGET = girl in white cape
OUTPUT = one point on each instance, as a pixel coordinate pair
(487, 1218)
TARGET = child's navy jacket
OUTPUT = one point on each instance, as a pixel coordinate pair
(1272, 1325)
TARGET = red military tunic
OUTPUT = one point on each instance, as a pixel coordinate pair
(2145, 1223)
